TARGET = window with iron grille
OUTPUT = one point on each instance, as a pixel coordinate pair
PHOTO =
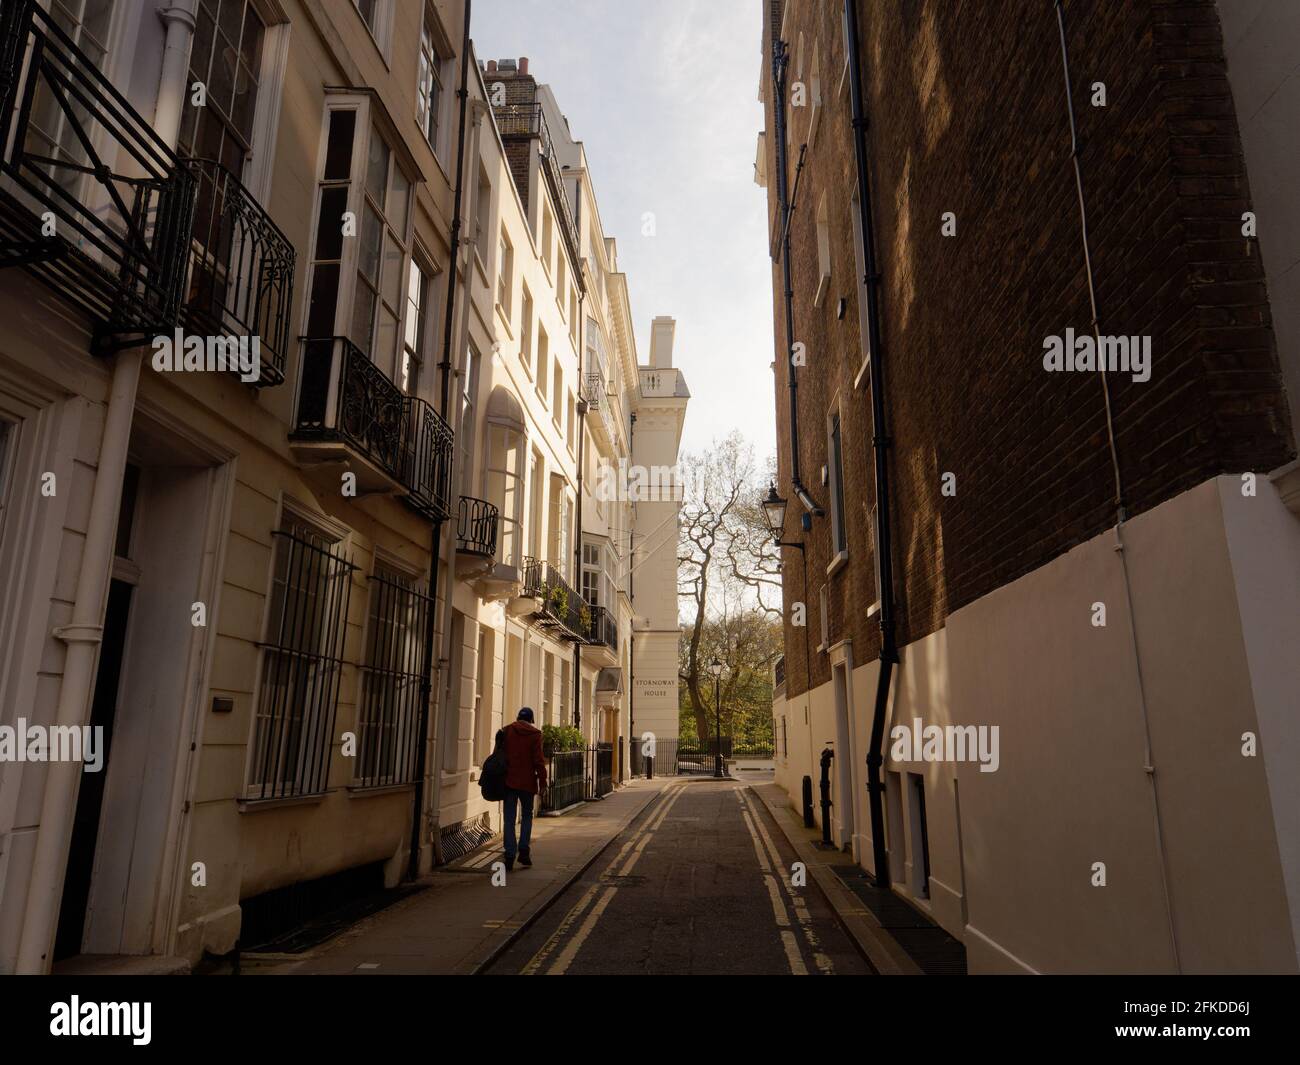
(302, 663)
(388, 716)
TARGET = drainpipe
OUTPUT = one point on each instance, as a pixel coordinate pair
(577, 544)
(779, 60)
(880, 442)
(85, 631)
(435, 539)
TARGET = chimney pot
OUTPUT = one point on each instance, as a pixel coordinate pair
(492, 66)
(523, 64)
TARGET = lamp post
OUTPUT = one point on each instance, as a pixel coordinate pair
(715, 667)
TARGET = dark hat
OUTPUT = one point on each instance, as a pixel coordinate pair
(526, 714)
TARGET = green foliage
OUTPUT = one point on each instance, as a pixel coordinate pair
(561, 738)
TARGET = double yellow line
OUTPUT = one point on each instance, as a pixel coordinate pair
(589, 909)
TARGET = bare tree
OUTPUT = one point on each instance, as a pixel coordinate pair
(727, 567)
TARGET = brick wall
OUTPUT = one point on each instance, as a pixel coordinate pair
(968, 115)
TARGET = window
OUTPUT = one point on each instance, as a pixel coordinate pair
(302, 659)
(559, 545)
(466, 433)
(332, 205)
(572, 423)
(823, 253)
(372, 184)
(557, 396)
(835, 470)
(484, 741)
(573, 317)
(50, 132)
(562, 284)
(415, 329)
(434, 68)
(505, 489)
(377, 15)
(226, 58)
(526, 331)
(377, 304)
(591, 575)
(388, 714)
(548, 229)
(452, 695)
(543, 361)
(548, 687)
(536, 486)
(505, 273)
(482, 218)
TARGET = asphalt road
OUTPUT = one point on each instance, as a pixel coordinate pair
(700, 883)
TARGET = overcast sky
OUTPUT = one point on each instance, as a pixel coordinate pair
(664, 96)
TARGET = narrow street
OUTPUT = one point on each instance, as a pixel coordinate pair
(699, 883)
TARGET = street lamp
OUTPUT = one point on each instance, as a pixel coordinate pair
(774, 512)
(715, 667)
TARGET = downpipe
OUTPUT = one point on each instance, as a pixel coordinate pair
(880, 442)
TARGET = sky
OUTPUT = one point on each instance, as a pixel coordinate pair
(664, 96)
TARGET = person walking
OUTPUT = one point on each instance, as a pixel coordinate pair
(525, 780)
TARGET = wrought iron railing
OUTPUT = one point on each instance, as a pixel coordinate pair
(240, 269)
(529, 120)
(604, 628)
(600, 770)
(566, 779)
(426, 468)
(344, 396)
(302, 663)
(92, 200)
(561, 608)
(477, 522)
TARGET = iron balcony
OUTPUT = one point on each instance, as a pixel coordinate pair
(477, 522)
(604, 629)
(103, 212)
(240, 268)
(92, 201)
(561, 610)
(349, 412)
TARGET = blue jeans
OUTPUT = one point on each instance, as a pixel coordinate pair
(524, 801)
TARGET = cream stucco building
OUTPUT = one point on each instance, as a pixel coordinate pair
(301, 602)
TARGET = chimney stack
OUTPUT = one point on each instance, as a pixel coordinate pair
(492, 66)
(662, 329)
(523, 64)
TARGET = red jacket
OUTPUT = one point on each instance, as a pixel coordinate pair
(525, 763)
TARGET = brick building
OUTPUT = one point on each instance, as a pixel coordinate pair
(1128, 685)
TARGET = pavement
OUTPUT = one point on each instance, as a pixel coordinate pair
(672, 876)
(462, 920)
